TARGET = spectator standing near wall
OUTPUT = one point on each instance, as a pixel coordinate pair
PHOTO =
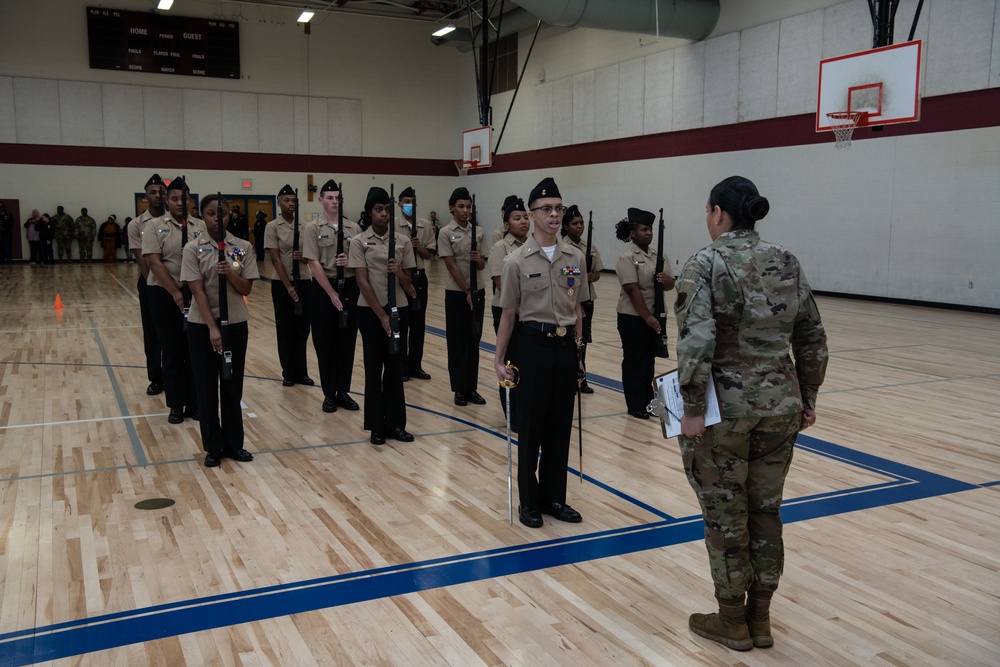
(65, 232)
(33, 229)
(6, 235)
(86, 232)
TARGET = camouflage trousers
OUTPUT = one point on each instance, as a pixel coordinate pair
(86, 242)
(737, 469)
(64, 244)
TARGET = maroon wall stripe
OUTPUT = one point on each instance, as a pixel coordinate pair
(961, 111)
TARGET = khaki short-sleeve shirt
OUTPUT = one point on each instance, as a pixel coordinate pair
(371, 251)
(320, 243)
(494, 266)
(638, 266)
(280, 234)
(162, 236)
(425, 234)
(201, 259)
(456, 241)
(543, 290)
(135, 229)
(598, 264)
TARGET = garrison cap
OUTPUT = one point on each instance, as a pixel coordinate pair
(330, 186)
(460, 193)
(177, 184)
(637, 216)
(510, 207)
(376, 195)
(408, 192)
(547, 188)
(507, 202)
(571, 212)
(287, 190)
(153, 180)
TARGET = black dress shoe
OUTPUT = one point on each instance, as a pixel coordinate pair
(530, 517)
(562, 512)
(638, 414)
(176, 416)
(154, 389)
(460, 398)
(287, 383)
(345, 401)
(191, 414)
(474, 397)
(377, 438)
(406, 378)
(585, 389)
(307, 381)
(241, 455)
(420, 374)
(400, 434)
(212, 459)
(329, 405)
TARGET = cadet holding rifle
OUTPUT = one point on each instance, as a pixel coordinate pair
(424, 241)
(163, 241)
(572, 231)
(638, 328)
(463, 320)
(220, 269)
(380, 259)
(334, 333)
(289, 293)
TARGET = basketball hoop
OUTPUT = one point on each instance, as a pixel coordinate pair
(843, 123)
(463, 167)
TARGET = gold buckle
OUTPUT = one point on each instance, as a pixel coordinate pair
(560, 332)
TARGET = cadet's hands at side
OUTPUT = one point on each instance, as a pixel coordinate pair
(808, 418)
(692, 427)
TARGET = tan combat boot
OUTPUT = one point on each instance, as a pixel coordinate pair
(728, 627)
(759, 616)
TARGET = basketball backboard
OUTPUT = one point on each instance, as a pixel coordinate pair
(883, 83)
(477, 150)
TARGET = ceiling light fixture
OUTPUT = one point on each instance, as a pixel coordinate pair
(444, 31)
(165, 4)
(305, 16)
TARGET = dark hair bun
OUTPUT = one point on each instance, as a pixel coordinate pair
(754, 208)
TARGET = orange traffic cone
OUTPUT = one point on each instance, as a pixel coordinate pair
(59, 303)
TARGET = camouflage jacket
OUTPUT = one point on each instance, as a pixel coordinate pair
(742, 303)
(64, 224)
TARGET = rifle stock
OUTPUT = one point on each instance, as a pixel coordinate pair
(296, 279)
(185, 290)
(590, 244)
(342, 318)
(659, 311)
(391, 277)
(227, 354)
(415, 305)
(478, 300)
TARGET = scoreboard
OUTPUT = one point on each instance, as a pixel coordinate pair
(163, 44)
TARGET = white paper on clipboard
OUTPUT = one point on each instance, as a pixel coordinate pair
(671, 404)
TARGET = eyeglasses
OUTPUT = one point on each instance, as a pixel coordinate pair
(547, 210)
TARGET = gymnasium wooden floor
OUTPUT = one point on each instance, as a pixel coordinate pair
(327, 550)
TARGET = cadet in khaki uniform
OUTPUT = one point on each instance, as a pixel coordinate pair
(292, 330)
(543, 281)
(385, 404)
(743, 310)
(455, 247)
(200, 269)
(155, 193)
(518, 225)
(424, 242)
(637, 326)
(86, 231)
(334, 346)
(573, 228)
(162, 245)
(502, 230)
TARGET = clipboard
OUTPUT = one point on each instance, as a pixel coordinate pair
(668, 404)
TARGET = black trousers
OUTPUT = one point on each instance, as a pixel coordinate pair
(511, 356)
(33, 245)
(292, 330)
(385, 404)
(178, 379)
(463, 347)
(545, 404)
(150, 341)
(638, 361)
(213, 392)
(413, 333)
(334, 346)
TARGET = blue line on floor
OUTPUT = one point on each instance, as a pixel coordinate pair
(140, 454)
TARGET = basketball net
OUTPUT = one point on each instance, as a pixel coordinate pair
(843, 123)
(463, 167)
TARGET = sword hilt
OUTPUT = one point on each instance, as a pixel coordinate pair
(510, 383)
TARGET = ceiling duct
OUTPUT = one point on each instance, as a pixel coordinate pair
(687, 19)
(513, 21)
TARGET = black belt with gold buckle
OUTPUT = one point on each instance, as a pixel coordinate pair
(551, 330)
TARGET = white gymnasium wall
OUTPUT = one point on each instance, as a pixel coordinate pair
(340, 91)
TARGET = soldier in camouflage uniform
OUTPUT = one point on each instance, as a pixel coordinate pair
(65, 233)
(742, 303)
(86, 230)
